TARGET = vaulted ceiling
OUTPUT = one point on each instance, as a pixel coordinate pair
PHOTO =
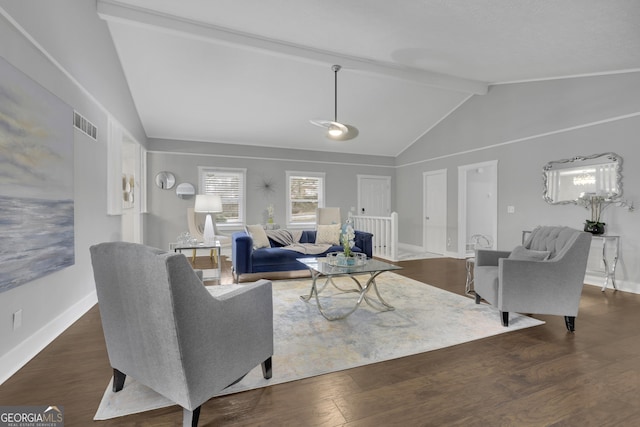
(256, 71)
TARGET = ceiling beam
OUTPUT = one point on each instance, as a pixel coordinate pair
(112, 11)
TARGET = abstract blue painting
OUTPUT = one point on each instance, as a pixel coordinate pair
(36, 180)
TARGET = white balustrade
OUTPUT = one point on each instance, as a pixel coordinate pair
(385, 233)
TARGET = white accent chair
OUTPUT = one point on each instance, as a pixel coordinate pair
(328, 216)
(544, 276)
(164, 329)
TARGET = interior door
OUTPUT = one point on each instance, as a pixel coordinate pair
(374, 195)
(477, 204)
(435, 211)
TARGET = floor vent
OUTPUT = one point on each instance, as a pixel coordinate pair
(85, 125)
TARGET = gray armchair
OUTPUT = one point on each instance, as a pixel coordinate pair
(544, 276)
(164, 329)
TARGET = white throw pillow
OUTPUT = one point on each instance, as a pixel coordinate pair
(524, 254)
(259, 236)
(329, 234)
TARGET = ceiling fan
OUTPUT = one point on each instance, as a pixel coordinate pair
(335, 130)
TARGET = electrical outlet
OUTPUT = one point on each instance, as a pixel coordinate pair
(511, 209)
(17, 319)
(448, 241)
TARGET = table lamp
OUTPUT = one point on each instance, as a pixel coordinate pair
(208, 203)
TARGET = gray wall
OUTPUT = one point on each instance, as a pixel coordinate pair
(535, 122)
(71, 33)
(524, 126)
(166, 217)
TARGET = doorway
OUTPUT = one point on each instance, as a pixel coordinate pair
(374, 195)
(131, 219)
(477, 204)
(126, 184)
(435, 211)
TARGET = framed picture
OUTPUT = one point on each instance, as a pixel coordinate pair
(36, 180)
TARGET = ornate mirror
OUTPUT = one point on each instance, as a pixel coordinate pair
(566, 181)
(165, 180)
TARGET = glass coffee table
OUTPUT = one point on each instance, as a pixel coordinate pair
(320, 268)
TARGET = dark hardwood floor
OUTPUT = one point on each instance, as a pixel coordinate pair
(541, 376)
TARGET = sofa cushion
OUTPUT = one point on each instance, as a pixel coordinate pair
(329, 234)
(524, 254)
(259, 236)
(281, 256)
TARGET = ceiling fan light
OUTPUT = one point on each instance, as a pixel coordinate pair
(350, 133)
(335, 131)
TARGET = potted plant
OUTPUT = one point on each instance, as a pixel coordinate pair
(347, 240)
(597, 204)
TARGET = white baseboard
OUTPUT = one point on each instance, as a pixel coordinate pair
(410, 248)
(17, 357)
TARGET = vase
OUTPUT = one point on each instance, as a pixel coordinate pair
(594, 227)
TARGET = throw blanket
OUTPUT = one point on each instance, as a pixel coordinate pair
(308, 248)
(289, 239)
(284, 237)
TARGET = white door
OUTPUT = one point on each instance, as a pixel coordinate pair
(374, 195)
(435, 211)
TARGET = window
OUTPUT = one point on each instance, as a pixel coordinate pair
(229, 184)
(305, 194)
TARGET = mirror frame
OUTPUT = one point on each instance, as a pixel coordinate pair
(611, 157)
(165, 180)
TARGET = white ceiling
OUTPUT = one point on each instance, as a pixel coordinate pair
(256, 71)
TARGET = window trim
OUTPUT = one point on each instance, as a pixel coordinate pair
(321, 195)
(242, 202)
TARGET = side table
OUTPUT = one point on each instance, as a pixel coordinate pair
(214, 255)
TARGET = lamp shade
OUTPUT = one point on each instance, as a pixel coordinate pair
(208, 203)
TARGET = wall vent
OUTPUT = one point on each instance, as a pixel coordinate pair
(85, 125)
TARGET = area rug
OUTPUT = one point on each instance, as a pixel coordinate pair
(306, 344)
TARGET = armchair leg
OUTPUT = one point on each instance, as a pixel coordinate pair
(505, 318)
(267, 369)
(570, 321)
(478, 298)
(190, 418)
(118, 380)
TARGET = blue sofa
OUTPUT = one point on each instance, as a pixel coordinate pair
(248, 260)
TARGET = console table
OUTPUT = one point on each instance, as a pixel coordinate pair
(610, 251)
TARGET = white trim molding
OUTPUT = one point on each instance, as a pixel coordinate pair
(12, 361)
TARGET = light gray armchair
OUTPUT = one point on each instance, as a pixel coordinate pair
(544, 276)
(164, 329)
